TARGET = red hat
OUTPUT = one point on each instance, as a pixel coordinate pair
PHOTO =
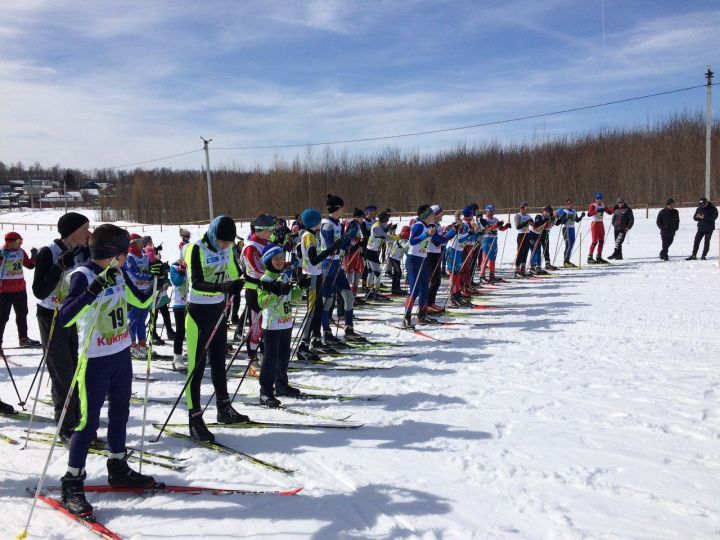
(12, 236)
(135, 236)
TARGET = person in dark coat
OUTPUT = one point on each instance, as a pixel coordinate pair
(705, 215)
(668, 221)
(622, 221)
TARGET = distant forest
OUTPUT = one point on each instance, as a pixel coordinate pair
(643, 164)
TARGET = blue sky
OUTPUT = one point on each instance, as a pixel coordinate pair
(96, 84)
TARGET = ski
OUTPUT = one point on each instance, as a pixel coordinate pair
(337, 397)
(333, 363)
(7, 439)
(219, 447)
(192, 490)
(102, 452)
(93, 526)
(416, 332)
(18, 415)
(274, 425)
(142, 379)
(155, 356)
(299, 412)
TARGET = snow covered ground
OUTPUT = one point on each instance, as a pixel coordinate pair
(587, 407)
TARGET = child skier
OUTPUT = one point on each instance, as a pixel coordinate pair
(568, 217)
(276, 302)
(489, 243)
(137, 267)
(522, 222)
(178, 278)
(100, 291)
(13, 293)
(597, 211)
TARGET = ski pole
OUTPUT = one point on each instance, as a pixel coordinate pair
(502, 252)
(557, 245)
(12, 379)
(153, 322)
(41, 369)
(82, 360)
(192, 373)
(411, 298)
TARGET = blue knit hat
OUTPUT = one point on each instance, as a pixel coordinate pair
(310, 218)
(468, 211)
(598, 195)
(269, 251)
(490, 208)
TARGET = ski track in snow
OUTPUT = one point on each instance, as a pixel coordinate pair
(591, 411)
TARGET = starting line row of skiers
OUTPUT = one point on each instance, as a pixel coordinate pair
(95, 290)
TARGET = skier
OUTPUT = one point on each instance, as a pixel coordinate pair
(455, 256)
(705, 215)
(184, 238)
(597, 211)
(550, 219)
(378, 237)
(277, 320)
(97, 303)
(178, 278)
(311, 266)
(489, 243)
(418, 273)
(365, 227)
(522, 221)
(537, 228)
(163, 299)
(397, 252)
(13, 292)
(212, 274)
(137, 266)
(262, 227)
(622, 221)
(50, 286)
(353, 263)
(335, 278)
(568, 217)
(434, 256)
(668, 221)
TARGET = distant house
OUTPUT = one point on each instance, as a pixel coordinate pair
(57, 197)
(90, 192)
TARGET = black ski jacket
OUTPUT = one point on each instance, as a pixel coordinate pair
(668, 221)
(705, 217)
(623, 218)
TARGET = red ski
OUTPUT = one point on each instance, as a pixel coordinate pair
(93, 526)
(417, 333)
(193, 490)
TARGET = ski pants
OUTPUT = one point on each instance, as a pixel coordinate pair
(136, 323)
(545, 246)
(535, 249)
(597, 231)
(101, 377)
(255, 316)
(374, 268)
(569, 238)
(276, 360)
(165, 312)
(433, 262)
(18, 302)
(200, 320)
(619, 239)
(311, 324)
(523, 248)
(418, 276)
(489, 253)
(396, 273)
(667, 240)
(61, 359)
(698, 238)
(336, 281)
(179, 312)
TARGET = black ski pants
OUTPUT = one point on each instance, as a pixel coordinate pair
(667, 240)
(276, 359)
(61, 359)
(698, 238)
(18, 302)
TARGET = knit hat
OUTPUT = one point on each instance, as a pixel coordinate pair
(468, 211)
(135, 236)
(384, 217)
(70, 222)
(405, 232)
(184, 232)
(670, 201)
(702, 201)
(108, 241)
(548, 208)
(264, 222)
(334, 203)
(268, 252)
(221, 228)
(436, 209)
(358, 213)
(524, 204)
(620, 200)
(310, 218)
(598, 195)
(371, 208)
(12, 236)
(490, 208)
(424, 212)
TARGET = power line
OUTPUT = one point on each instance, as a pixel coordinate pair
(155, 159)
(459, 128)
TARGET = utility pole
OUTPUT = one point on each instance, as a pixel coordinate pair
(67, 178)
(708, 131)
(209, 180)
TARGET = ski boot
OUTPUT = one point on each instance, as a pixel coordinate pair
(317, 346)
(703, 258)
(540, 272)
(198, 429)
(227, 415)
(6, 408)
(691, 258)
(549, 266)
(267, 399)
(434, 309)
(352, 336)
(179, 363)
(121, 475)
(26, 343)
(591, 260)
(520, 272)
(331, 340)
(424, 319)
(73, 496)
(568, 264)
(613, 255)
(600, 260)
(407, 323)
(304, 354)
(287, 391)
(157, 340)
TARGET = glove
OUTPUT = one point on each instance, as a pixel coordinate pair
(159, 248)
(181, 268)
(157, 269)
(67, 259)
(102, 282)
(432, 229)
(600, 208)
(277, 288)
(33, 253)
(305, 282)
(234, 286)
(582, 215)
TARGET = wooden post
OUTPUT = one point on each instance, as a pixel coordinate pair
(579, 249)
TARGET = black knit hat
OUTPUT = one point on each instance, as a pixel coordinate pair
(334, 203)
(108, 241)
(70, 222)
(358, 213)
(225, 229)
(670, 201)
